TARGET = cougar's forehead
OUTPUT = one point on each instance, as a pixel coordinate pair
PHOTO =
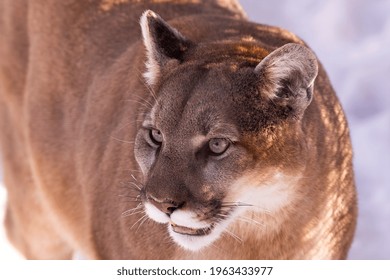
(194, 102)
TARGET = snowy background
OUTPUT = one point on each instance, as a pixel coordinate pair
(352, 40)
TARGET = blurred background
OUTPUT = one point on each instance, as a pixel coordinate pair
(352, 40)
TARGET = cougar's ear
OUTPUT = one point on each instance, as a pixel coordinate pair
(162, 43)
(287, 77)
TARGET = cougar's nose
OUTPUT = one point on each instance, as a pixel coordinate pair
(167, 206)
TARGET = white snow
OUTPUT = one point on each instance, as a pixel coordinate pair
(7, 252)
(352, 39)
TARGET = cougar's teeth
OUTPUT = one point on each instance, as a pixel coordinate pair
(190, 231)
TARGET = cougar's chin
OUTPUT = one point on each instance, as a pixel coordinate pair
(194, 239)
(186, 230)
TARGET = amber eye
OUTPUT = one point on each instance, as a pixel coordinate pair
(218, 146)
(156, 136)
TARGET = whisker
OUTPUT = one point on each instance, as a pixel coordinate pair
(221, 216)
(135, 185)
(127, 124)
(142, 102)
(139, 205)
(132, 176)
(150, 89)
(243, 204)
(130, 188)
(132, 170)
(139, 220)
(135, 198)
(235, 237)
(129, 201)
(130, 213)
(248, 220)
(123, 141)
(133, 210)
(263, 210)
(238, 204)
(146, 218)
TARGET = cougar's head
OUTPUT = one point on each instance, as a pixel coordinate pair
(224, 135)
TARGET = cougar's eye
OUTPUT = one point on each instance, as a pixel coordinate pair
(156, 136)
(218, 146)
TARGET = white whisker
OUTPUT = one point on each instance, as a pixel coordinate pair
(150, 89)
(139, 220)
(248, 220)
(142, 102)
(135, 185)
(128, 214)
(264, 210)
(146, 218)
(235, 237)
(132, 176)
(134, 198)
(127, 124)
(133, 210)
(123, 141)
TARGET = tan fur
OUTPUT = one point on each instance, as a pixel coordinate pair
(73, 98)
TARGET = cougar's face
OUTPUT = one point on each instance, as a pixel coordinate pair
(200, 171)
(224, 132)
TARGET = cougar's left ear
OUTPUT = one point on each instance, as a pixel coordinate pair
(162, 42)
(287, 77)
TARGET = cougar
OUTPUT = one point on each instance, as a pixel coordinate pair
(168, 130)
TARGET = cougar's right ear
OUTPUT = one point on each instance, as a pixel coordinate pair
(162, 43)
(286, 76)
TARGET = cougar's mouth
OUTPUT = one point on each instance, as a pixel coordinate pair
(191, 231)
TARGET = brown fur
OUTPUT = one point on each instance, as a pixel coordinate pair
(72, 99)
